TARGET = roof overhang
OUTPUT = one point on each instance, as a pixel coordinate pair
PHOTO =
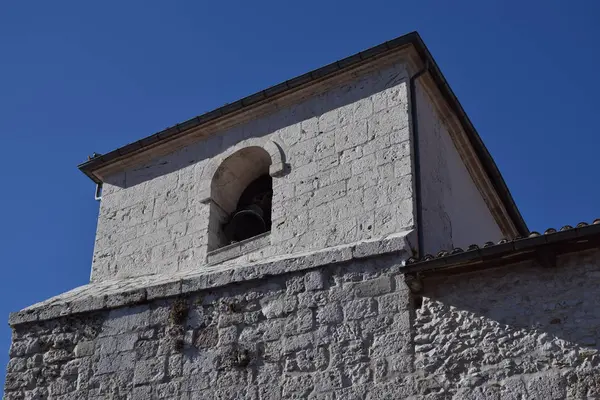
(541, 248)
(100, 167)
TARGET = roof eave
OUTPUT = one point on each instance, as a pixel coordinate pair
(580, 238)
(96, 163)
(89, 167)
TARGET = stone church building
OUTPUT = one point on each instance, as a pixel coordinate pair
(342, 235)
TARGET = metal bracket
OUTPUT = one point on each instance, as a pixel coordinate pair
(98, 193)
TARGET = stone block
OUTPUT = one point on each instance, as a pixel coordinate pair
(295, 284)
(389, 343)
(169, 390)
(142, 393)
(347, 353)
(196, 382)
(358, 375)
(330, 314)
(60, 387)
(35, 361)
(122, 320)
(300, 322)
(207, 337)
(393, 303)
(115, 344)
(16, 381)
(371, 287)
(23, 348)
(16, 365)
(17, 318)
(314, 280)
(228, 335)
(295, 343)
(56, 356)
(359, 309)
(547, 385)
(115, 362)
(328, 380)
(299, 385)
(164, 290)
(272, 329)
(278, 306)
(150, 371)
(398, 388)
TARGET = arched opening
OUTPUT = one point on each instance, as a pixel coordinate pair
(241, 194)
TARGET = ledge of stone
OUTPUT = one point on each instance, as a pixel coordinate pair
(119, 293)
(238, 249)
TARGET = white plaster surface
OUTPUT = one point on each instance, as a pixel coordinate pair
(349, 179)
(454, 212)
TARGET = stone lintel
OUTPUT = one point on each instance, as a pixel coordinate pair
(126, 292)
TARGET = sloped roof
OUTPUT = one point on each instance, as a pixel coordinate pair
(99, 161)
(548, 245)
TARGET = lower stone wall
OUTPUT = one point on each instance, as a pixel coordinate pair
(518, 332)
(344, 331)
(336, 332)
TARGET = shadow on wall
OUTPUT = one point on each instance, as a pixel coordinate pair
(480, 329)
(206, 149)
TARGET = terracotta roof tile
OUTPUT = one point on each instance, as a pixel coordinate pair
(517, 242)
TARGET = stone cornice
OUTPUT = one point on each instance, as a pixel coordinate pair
(251, 107)
(127, 292)
(408, 48)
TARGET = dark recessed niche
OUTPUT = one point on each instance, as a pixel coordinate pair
(252, 215)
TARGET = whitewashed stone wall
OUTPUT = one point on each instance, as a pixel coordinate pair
(349, 179)
(335, 332)
(454, 212)
(519, 332)
(344, 331)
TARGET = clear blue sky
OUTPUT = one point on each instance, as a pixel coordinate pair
(78, 77)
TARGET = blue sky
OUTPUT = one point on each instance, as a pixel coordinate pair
(78, 77)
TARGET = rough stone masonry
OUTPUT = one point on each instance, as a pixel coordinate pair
(349, 178)
(349, 330)
(372, 163)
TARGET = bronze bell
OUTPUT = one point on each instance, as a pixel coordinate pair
(253, 213)
(245, 223)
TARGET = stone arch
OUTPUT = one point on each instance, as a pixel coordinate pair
(235, 173)
(229, 177)
(277, 165)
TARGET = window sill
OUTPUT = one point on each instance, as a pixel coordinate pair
(235, 250)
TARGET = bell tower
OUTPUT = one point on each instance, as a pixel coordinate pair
(259, 251)
(349, 153)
